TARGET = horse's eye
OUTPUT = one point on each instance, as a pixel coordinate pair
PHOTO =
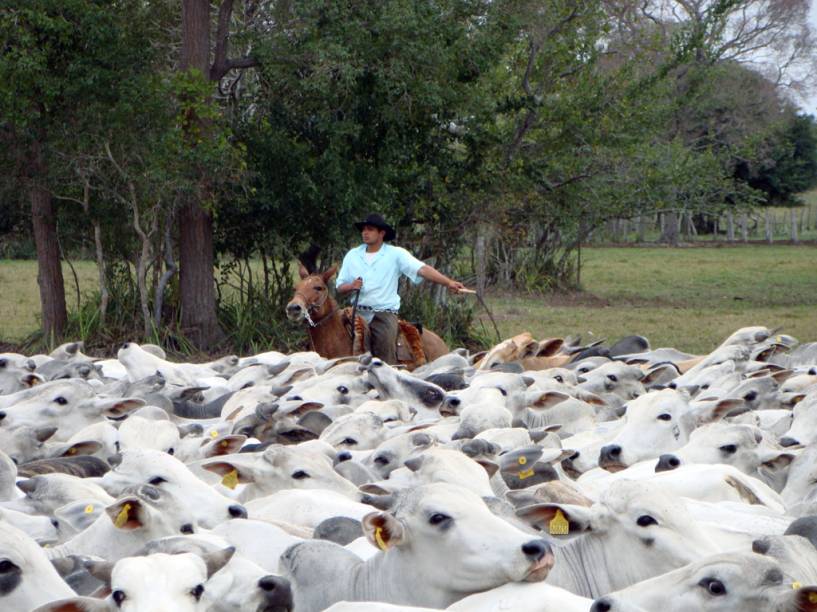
(319, 288)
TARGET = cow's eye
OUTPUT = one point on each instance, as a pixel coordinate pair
(381, 460)
(672, 385)
(645, 520)
(197, 591)
(751, 396)
(349, 441)
(6, 566)
(343, 390)
(61, 400)
(118, 597)
(713, 587)
(300, 475)
(558, 379)
(3, 363)
(664, 417)
(295, 398)
(612, 377)
(377, 364)
(438, 519)
(187, 528)
(156, 481)
(705, 386)
(729, 449)
(171, 451)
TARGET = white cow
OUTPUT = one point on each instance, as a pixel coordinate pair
(440, 543)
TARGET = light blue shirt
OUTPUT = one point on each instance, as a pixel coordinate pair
(380, 276)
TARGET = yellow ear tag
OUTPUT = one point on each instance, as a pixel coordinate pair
(796, 585)
(812, 597)
(89, 509)
(378, 537)
(213, 434)
(72, 451)
(224, 444)
(522, 460)
(122, 517)
(559, 525)
(525, 474)
(230, 479)
(778, 339)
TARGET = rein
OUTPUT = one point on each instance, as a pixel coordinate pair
(311, 308)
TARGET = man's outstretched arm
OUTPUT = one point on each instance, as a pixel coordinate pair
(429, 273)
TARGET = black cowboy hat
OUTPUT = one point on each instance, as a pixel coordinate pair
(379, 222)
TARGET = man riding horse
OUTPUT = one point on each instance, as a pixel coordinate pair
(374, 268)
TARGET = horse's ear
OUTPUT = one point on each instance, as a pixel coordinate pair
(330, 273)
(302, 271)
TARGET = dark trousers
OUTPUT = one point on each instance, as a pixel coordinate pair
(383, 332)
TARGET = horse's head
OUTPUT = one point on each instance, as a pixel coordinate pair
(311, 294)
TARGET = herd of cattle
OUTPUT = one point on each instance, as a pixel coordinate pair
(539, 476)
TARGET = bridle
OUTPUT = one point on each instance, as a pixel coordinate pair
(314, 307)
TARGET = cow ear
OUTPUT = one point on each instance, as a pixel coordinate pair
(489, 466)
(118, 407)
(383, 530)
(661, 374)
(790, 399)
(30, 380)
(547, 399)
(302, 271)
(549, 347)
(79, 514)
(101, 570)
(41, 434)
(226, 445)
(75, 604)
(329, 273)
(127, 513)
(89, 447)
(591, 398)
(315, 422)
(778, 462)
(217, 559)
(563, 520)
(720, 410)
(806, 599)
(231, 473)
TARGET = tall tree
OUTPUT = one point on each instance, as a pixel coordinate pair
(63, 62)
(196, 257)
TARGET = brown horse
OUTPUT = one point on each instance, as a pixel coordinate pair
(329, 329)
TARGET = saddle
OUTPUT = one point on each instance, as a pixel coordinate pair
(409, 339)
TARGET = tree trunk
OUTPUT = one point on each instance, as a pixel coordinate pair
(196, 280)
(196, 259)
(744, 227)
(49, 270)
(641, 223)
(793, 214)
(730, 226)
(670, 230)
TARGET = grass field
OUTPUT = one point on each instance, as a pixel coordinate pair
(689, 298)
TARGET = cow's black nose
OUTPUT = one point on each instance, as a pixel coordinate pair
(610, 454)
(667, 463)
(237, 511)
(293, 307)
(601, 605)
(787, 441)
(761, 546)
(277, 594)
(536, 549)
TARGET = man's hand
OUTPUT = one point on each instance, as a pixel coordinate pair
(357, 283)
(455, 286)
